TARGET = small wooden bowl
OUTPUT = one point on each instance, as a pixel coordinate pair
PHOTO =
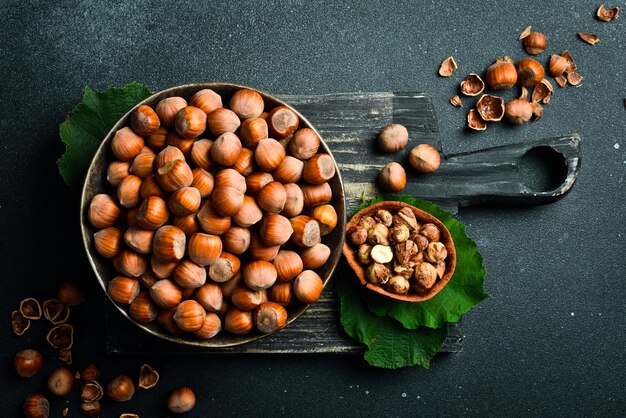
(422, 217)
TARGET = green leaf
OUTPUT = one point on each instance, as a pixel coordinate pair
(89, 122)
(389, 344)
(464, 290)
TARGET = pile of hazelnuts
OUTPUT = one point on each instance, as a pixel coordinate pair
(216, 215)
(424, 158)
(399, 253)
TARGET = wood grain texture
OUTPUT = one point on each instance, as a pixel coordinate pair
(349, 124)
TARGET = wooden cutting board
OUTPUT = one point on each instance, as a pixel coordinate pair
(349, 123)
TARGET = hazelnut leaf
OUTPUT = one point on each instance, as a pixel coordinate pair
(464, 290)
(87, 124)
(389, 344)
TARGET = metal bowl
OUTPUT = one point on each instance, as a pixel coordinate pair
(422, 217)
(95, 182)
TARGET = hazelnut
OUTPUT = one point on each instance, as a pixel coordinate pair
(247, 299)
(425, 276)
(304, 144)
(189, 275)
(166, 294)
(260, 251)
(162, 269)
(436, 252)
(252, 131)
(357, 235)
(377, 273)
(398, 284)
(381, 254)
(152, 213)
(212, 222)
(272, 197)
(226, 149)
(158, 139)
(420, 240)
(227, 201)
(210, 328)
(60, 381)
(288, 264)
(174, 175)
(126, 144)
(222, 120)
(249, 214)
(168, 108)
(120, 389)
(406, 216)
(190, 122)
(424, 158)
(282, 122)
(200, 154)
(130, 263)
(392, 177)
(256, 181)
(518, 111)
(244, 164)
(558, 65)
(167, 155)
(150, 187)
(308, 286)
(238, 322)
(142, 165)
(108, 242)
(27, 362)
(128, 192)
(268, 154)
(206, 99)
(384, 217)
(225, 268)
(229, 177)
(393, 138)
(363, 254)
(103, 211)
(247, 104)
(473, 85)
(118, 170)
(36, 406)
(440, 267)
(281, 293)
(123, 290)
(276, 229)
(203, 181)
(529, 72)
(306, 231)
(142, 309)
(165, 318)
(210, 296)
(289, 171)
(139, 239)
(169, 243)
(259, 274)
(430, 231)
(236, 240)
(181, 400)
(319, 169)
(326, 216)
(315, 195)
(405, 271)
(189, 315)
(90, 408)
(501, 75)
(294, 202)
(378, 235)
(270, 317)
(399, 234)
(315, 257)
(535, 43)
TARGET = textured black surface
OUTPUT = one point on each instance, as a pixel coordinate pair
(550, 342)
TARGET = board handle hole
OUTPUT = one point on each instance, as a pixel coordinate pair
(543, 169)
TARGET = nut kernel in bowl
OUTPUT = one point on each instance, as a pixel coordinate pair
(188, 205)
(426, 268)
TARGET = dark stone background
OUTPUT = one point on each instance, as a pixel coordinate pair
(550, 342)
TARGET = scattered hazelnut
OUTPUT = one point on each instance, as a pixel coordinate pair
(535, 43)
(501, 75)
(27, 362)
(377, 273)
(181, 400)
(393, 138)
(558, 65)
(120, 389)
(392, 177)
(36, 406)
(60, 381)
(424, 158)
(518, 111)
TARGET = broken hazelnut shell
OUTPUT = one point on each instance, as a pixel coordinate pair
(473, 85)
(19, 323)
(30, 308)
(475, 121)
(447, 67)
(61, 337)
(490, 108)
(590, 38)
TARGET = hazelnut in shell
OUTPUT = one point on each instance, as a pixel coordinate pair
(535, 43)
(210, 328)
(289, 171)
(247, 104)
(123, 290)
(308, 286)
(225, 268)
(272, 197)
(169, 243)
(529, 72)
(247, 299)
(270, 317)
(157, 140)
(130, 263)
(222, 120)
(60, 381)
(501, 75)
(152, 213)
(236, 240)
(108, 242)
(294, 201)
(249, 214)
(181, 400)
(306, 231)
(200, 154)
(117, 171)
(252, 131)
(36, 406)
(189, 315)
(392, 177)
(142, 165)
(259, 275)
(304, 144)
(261, 251)
(128, 192)
(190, 122)
(203, 181)
(174, 175)
(120, 389)
(227, 201)
(557, 66)
(189, 275)
(315, 195)
(206, 99)
(282, 122)
(319, 169)
(126, 144)
(326, 216)
(210, 296)
(268, 154)
(315, 256)
(288, 264)
(256, 181)
(168, 108)
(276, 229)
(103, 211)
(226, 149)
(166, 294)
(139, 239)
(281, 293)
(184, 201)
(27, 362)
(167, 154)
(425, 158)
(393, 138)
(212, 222)
(238, 322)
(245, 164)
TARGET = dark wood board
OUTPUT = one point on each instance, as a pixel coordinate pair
(349, 123)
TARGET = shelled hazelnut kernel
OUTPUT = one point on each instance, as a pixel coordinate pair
(214, 206)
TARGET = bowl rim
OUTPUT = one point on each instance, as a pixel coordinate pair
(421, 215)
(85, 192)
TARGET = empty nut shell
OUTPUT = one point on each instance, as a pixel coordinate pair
(473, 85)
(490, 108)
(148, 377)
(19, 323)
(55, 311)
(447, 67)
(61, 337)
(475, 121)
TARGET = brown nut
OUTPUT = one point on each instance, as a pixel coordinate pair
(229, 177)
(384, 217)
(363, 254)
(150, 187)
(190, 122)
(436, 252)
(501, 75)
(166, 294)
(69, 293)
(529, 72)
(425, 276)
(473, 85)
(281, 293)
(315, 195)
(120, 389)
(256, 181)
(142, 165)
(431, 231)
(222, 120)
(447, 67)
(393, 138)
(319, 169)
(212, 222)
(27, 362)
(490, 108)
(247, 103)
(357, 235)
(227, 201)
(304, 144)
(181, 400)
(142, 309)
(405, 216)
(189, 275)
(398, 284)
(259, 275)
(169, 243)
(558, 65)
(60, 381)
(392, 177)
(289, 171)
(168, 154)
(152, 213)
(123, 290)
(139, 239)
(535, 43)
(126, 144)
(168, 108)
(103, 211)
(294, 202)
(247, 299)
(306, 231)
(200, 154)
(288, 264)
(379, 234)
(326, 216)
(260, 251)
(249, 214)
(210, 296)
(276, 229)
(128, 192)
(206, 99)
(405, 251)
(226, 149)
(269, 154)
(399, 234)
(203, 181)
(252, 131)
(174, 175)
(91, 372)
(189, 315)
(424, 158)
(236, 240)
(158, 139)
(210, 328)
(36, 406)
(270, 317)
(315, 257)
(238, 322)
(272, 197)
(518, 111)
(244, 164)
(308, 286)
(117, 171)
(282, 122)
(377, 273)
